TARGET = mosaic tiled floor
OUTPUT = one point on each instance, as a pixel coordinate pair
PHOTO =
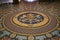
(30, 21)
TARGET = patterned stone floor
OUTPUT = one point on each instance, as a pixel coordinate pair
(44, 7)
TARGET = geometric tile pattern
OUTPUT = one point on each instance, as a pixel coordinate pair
(52, 10)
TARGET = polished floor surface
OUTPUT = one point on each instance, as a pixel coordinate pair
(30, 21)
